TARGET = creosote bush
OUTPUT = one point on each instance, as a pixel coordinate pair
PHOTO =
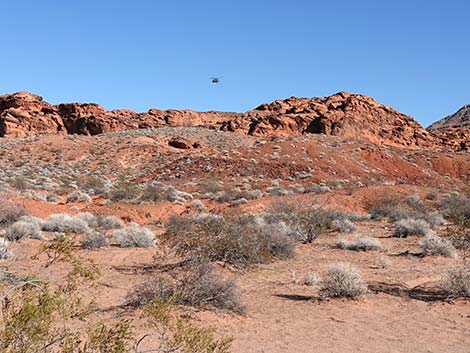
(343, 280)
(237, 240)
(359, 244)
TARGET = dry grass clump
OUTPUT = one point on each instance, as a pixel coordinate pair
(456, 281)
(359, 244)
(236, 240)
(343, 280)
(432, 244)
(409, 227)
(134, 236)
(10, 212)
(23, 229)
(195, 285)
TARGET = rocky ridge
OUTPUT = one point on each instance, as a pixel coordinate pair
(349, 116)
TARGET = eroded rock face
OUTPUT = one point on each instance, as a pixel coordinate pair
(350, 116)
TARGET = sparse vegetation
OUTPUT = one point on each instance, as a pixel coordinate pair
(343, 280)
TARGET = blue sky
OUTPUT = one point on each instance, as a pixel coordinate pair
(412, 55)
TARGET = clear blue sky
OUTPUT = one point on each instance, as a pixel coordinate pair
(413, 55)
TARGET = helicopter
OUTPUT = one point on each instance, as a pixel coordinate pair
(215, 79)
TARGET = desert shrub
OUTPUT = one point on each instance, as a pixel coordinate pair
(409, 227)
(64, 223)
(359, 244)
(23, 229)
(434, 219)
(311, 278)
(91, 184)
(134, 236)
(89, 218)
(459, 236)
(10, 212)
(178, 334)
(79, 196)
(123, 191)
(110, 222)
(19, 183)
(382, 206)
(154, 194)
(305, 224)
(4, 249)
(52, 198)
(385, 262)
(431, 196)
(343, 280)
(32, 219)
(237, 240)
(197, 205)
(431, 244)
(415, 203)
(456, 207)
(196, 286)
(344, 225)
(93, 240)
(456, 281)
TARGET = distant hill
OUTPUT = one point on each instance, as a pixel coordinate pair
(459, 119)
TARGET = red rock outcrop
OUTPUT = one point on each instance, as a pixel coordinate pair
(350, 116)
